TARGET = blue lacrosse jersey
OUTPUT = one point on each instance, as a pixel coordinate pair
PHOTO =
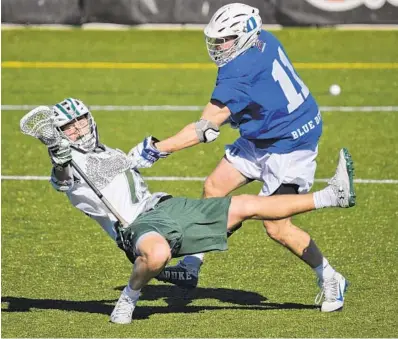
(269, 102)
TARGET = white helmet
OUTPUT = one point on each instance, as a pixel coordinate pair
(70, 110)
(234, 20)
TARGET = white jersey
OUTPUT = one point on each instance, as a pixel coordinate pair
(113, 173)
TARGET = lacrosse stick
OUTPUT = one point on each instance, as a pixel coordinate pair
(39, 124)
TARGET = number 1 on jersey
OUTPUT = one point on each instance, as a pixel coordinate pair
(279, 74)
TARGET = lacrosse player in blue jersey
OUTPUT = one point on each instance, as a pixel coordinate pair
(258, 91)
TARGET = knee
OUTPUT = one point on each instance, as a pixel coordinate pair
(248, 204)
(276, 229)
(242, 207)
(210, 189)
(158, 257)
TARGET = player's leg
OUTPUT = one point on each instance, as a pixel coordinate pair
(226, 178)
(247, 206)
(283, 231)
(339, 193)
(292, 237)
(333, 285)
(153, 253)
(302, 171)
(223, 180)
(303, 246)
(300, 243)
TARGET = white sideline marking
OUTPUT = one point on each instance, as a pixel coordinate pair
(366, 27)
(32, 177)
(200, 108)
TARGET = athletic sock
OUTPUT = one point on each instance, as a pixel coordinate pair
(133, 294)
(325, 198)
(312, 255)
(325, 270)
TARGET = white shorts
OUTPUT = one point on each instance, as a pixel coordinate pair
(297, 167)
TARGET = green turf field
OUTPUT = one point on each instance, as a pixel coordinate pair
(61, 275)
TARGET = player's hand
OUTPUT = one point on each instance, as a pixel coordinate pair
(61, 155)
(145, 154)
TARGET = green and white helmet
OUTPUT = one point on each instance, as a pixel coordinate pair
(70, 110)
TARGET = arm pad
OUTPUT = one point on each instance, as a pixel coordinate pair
(62, 185)
(206, 130)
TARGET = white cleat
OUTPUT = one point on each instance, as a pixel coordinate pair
(123, 311)
(342, 182)
(332, 292)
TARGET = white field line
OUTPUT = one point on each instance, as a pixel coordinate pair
(199, 108)
(44, 178)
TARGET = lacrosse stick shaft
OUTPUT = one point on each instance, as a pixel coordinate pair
(108, 205)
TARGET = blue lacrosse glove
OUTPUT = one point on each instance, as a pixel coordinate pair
(145, 154)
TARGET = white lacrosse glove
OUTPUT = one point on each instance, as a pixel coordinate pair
(145, 154)
(61, 155)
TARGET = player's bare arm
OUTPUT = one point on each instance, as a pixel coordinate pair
(205, 130)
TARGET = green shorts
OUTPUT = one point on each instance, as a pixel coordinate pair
(189, 226)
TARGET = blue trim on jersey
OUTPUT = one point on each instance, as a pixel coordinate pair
(259, 87)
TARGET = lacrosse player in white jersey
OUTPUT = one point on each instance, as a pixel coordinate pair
(153, 228)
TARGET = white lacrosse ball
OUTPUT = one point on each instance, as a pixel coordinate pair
(335, 89)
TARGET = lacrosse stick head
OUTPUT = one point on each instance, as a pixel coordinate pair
(39, 123)
(75, 122)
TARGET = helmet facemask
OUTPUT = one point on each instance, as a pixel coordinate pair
(222, 50)
(75, 122)
(78, 132)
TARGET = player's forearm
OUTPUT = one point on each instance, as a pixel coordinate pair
(62, 178)
(62, 173)
(187, 137)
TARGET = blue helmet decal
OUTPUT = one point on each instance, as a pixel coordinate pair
(251, 24)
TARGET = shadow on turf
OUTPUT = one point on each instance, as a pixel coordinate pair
(177, 300)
